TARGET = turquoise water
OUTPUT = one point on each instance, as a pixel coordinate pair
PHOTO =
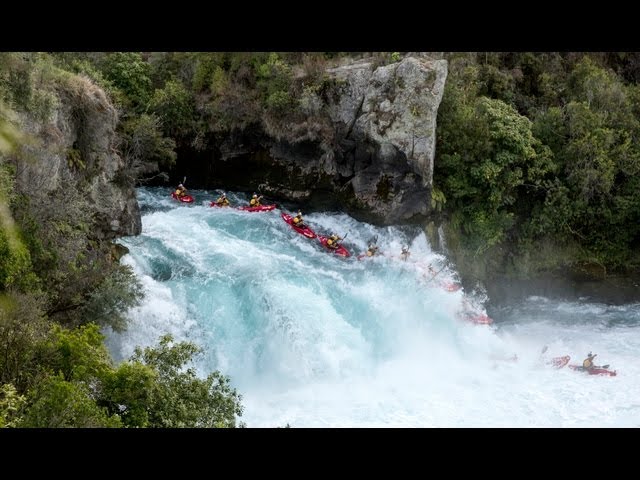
(311, 339)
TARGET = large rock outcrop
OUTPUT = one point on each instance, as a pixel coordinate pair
(390, 118)
(73, 149)
(363, 143)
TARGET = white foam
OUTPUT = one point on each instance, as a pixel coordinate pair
(313, 340)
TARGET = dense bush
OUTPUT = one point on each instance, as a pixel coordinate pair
(541, 146)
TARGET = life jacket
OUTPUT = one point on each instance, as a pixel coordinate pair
(254, 202)
(297, 219)
(223, 201)
(369, 253)
(588, 363)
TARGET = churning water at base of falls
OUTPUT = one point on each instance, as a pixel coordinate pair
(311, 339)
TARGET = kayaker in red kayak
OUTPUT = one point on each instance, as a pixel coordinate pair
(588, 364)
(223, 201)
(298, 221)
(332, 241)
(255, 200)
(372, 250)
(181, 191)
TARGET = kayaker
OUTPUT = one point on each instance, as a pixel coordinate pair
(255, 200)
(181, 191)
(587, 364)
(332, 241)
(223, 201)
(298, 221)
(372, 250)
(405, 253)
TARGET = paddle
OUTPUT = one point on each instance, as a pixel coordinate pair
(434, 275)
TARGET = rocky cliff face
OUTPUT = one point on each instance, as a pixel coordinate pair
(365, 144)
(73, 150)
(390, 119)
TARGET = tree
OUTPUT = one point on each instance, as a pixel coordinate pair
(78, 354)
(10, 405)
(128, 72)
(488, 163)
(57, 403)
(22, 328)
(174, 106)
(128, 391)
(179, 398)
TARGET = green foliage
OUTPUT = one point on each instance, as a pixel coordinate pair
(78, 354)
(275, 82)
(58, 282)
(57, 403)
(395, 57)
(10, 405)
(129, 73)
(279, 102)
(497, 84)
(174, 106)
(489, 153)
(154, 389)
(74, 159)
(595, 202)
(219, 81)
(56, 227)
(15, 259)
(22, 329)
(208, 66)
(180, 398)
(438, 199)
(82, 283)
(108, 302)
(144, 147)
(128, 391)
(579, 187)
(10, 135)
(28, 84)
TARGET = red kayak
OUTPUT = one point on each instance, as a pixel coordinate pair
(184, 198)
(306, 231)
(594, 371)
(343, 252)
(261, 208)
(477, 318)
(559, 362)
(451, 287)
